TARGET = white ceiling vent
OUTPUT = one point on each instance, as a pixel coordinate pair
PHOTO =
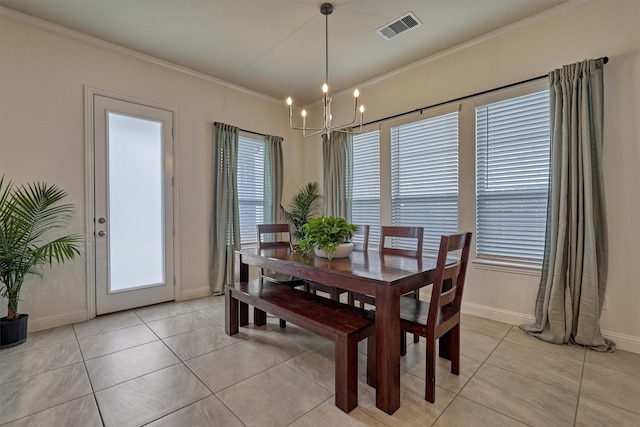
(399, 26)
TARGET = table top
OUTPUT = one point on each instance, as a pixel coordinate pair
(361, 271)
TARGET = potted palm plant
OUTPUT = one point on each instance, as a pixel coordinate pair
(304, 205)
(328, 237)
(29, 216)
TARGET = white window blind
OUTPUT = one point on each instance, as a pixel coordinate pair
(365, 202)
(424, 176)
(251, 154)
(512, 177)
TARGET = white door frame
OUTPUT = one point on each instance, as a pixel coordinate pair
(90, 236)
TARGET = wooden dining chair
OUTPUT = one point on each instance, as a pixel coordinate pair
(276, 236)
(334, 293)
(362, 233)
(390, 232)
(387, 234)
(440, 316)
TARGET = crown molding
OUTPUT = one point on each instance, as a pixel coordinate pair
(99, 43)
(525, 23)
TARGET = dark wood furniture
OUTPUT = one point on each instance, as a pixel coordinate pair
(387, 233)
(343, 324)
(441, 314)
(276, 236)
(334, 293)
(384, 276)
(363, 231)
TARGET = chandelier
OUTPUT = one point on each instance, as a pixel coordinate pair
(326, 9)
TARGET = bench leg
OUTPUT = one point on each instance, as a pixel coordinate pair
(346, 373)
(244, 314)
(231, 326)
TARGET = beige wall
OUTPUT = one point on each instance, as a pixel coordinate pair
(43, 74)
(572, 33)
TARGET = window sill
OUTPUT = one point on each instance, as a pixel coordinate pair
(529, 269)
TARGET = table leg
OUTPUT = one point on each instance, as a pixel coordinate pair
(241, 274)
(388, 349)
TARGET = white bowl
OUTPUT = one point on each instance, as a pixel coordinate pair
(342, 251)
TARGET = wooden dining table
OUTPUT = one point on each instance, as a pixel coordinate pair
(385, 276)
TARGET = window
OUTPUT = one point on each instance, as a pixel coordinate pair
(365, 202)
(251, 154)
(424, 176)
(512, 177)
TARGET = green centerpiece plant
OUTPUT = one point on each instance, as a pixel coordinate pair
(326, 234)
(30, 215)
(305, 204)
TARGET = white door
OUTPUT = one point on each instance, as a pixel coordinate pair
(133, 204)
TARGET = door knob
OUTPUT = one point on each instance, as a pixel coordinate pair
(102, 233)
(102, 220)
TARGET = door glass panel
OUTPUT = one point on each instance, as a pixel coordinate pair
(135, 191)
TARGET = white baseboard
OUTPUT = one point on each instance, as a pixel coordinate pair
(81, 316)
(55, 321)
(194, 293)
(623, 342)
(505, 316)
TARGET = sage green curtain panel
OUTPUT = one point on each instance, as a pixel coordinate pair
(337, 154)
(574, 275)
(273, 178)
(225, 219)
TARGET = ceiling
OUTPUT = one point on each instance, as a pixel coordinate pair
(277, 47)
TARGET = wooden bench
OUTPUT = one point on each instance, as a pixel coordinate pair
(344, 324)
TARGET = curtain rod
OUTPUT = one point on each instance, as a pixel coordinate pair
(419, 110)
(244, 130)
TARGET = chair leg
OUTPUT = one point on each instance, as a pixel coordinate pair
(455, 350)
(430, 378)
(283, 323)
(403, 343)
(372, 370)
(244, 314)
(416, 295)
(259, 317)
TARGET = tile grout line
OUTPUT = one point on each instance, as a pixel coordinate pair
(84, 363)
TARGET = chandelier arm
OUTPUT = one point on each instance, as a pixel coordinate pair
(350, 132)
(305, 128)
(355, 118)
(317, 132)
(327, 9)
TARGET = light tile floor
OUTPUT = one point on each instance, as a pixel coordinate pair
(173, 365)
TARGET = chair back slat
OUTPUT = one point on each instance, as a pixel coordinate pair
(363, 230)
(448, 283)
(280, 236)
(415, 233)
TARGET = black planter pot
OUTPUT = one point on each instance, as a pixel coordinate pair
(13, 332)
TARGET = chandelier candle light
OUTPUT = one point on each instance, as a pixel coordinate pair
(326, 9)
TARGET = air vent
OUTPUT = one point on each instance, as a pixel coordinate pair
(399, 26)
